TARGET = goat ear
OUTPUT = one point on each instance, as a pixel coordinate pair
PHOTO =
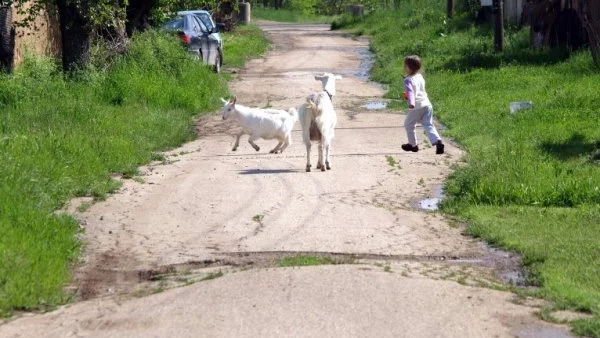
(223, 100)
(233, 99)
(318, 77)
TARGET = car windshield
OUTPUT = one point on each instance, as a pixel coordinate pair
(205, 20)
(175, 24)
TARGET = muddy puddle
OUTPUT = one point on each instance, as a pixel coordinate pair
(433, 201)
(507, 265)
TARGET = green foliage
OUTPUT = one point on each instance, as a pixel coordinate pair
(166, 9)
(286, 15)
(305, 261)
(244, 42)
(303, 6)
(532, 179)
(100, 13)
(61, 138)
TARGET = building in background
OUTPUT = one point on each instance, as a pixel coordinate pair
(40, 37)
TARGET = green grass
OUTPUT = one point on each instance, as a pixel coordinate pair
(560, 247)
(305, 261)
(286, 15)
(63, 137)
(532, 180)
(244, 43)
(213, 275)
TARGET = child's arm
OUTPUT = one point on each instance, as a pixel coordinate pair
(409, 92)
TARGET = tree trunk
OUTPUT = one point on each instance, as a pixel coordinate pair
(138, 15)
(7, 39)
(589, 12)
(75, 29)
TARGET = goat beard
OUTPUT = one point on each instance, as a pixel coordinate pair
(314, 132)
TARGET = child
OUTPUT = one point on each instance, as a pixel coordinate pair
(420, 107)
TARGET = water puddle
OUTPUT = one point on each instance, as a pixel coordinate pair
(432, 203)
(507, 265)
(367, 60)
(375, 105)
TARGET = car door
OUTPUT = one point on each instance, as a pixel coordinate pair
(210, 26)
(209, 46)
(195, 32)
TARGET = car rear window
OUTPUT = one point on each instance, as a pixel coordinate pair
(175, 24)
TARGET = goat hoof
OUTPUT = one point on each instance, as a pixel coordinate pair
(319, 166)
(234, 149)
(323, 168)
(257, 148)
(327, 166)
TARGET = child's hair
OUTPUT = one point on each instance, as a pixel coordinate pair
(413, 62)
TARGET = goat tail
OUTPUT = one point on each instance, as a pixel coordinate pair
(312, 102)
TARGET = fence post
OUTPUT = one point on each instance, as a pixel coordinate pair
(356, 10)
(497, 10)
(244, 12)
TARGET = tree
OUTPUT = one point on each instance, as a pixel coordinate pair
(7, 38)
(589, 13)
(75, 30)
(78, 20)
(138, 15)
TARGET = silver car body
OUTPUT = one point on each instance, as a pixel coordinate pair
(208, 22)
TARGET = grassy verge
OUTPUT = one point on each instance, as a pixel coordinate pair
(247, 41)
(61, 138)
(305, 261)
(532, 180)
(285, 15)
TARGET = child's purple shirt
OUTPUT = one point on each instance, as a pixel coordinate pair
(409, 91)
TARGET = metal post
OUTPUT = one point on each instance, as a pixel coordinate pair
(498, 11)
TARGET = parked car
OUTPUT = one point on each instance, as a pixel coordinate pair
(200, 35)
(207, 20)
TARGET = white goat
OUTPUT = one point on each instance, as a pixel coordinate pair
(328, 82)
(318, 120)
(262, 123)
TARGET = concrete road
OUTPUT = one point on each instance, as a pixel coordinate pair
(242, 211)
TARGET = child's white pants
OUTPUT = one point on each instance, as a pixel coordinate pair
(425, 116)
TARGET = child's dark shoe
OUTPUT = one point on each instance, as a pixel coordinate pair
(439, 147)
(409, 147)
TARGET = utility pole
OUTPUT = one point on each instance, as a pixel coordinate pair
(449, 7)
(498, 11)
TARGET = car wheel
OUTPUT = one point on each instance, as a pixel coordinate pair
(217, 66)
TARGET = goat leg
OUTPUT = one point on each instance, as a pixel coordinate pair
(251, 141)
(308, 156)
(277, 148)
(237, 142)
(327, 153)
(320, 161)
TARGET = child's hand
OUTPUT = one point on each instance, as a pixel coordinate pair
(411, 106)
(405, 96)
